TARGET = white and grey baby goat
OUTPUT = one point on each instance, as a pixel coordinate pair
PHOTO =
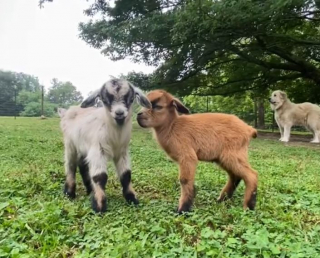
(95, 135)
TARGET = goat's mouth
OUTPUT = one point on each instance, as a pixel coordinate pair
(120, 120)
(140, 122)
(272, 102)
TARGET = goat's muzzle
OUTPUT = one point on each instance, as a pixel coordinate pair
(140, 120)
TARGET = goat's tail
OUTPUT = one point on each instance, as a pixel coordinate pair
(253, 133)
(61, 112)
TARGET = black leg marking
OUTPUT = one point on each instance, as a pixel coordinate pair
(125, 182)
(187, 205)
(253, 199)
(227, 196)
(101, 180)
(70, 191)
(84, 171)
(98, 199)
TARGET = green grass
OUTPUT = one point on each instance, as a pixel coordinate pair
(293, 132)
(36, 220)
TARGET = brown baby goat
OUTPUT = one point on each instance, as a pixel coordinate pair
(212, 137)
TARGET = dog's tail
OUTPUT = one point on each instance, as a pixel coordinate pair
(253, 133)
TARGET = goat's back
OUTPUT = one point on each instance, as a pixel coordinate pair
(208, 135)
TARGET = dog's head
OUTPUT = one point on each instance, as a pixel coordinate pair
(117, 96)
(277, 99)
(164, 105)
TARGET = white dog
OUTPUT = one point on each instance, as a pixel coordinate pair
(288, 114)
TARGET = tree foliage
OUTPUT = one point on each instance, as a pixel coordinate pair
(11, 84)
(63, 94)
(140, 79)
(213, 47)
(21, 94)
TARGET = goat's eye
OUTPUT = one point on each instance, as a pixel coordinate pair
(274, 95)
(156, 107)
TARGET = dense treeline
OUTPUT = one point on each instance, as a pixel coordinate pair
(21, 94)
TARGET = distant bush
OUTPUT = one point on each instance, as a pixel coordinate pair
(34, 109)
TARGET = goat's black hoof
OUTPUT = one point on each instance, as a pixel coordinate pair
(89, 191)
(182, 212)
(184, 208)
(100, 207)
(130, 197)
(70, 192)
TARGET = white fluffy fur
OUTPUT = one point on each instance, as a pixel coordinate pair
(93, 134)
(87, 131)
(288, 114)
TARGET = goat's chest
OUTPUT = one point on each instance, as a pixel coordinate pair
(116, 142)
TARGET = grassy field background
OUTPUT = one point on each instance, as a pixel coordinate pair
(36, 220)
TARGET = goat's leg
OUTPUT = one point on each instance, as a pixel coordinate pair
(84, 171)
(97, 162)
(229, 188)
(250, 178)
(70, 157)
(238, 166)
(124, 173)
(186, 177)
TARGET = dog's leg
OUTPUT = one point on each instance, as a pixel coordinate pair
(281, 132)
(280, 129)
(286, 133)
(315, 136)
(124, 173)
(186, 176)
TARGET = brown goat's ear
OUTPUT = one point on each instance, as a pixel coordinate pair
(180, 107)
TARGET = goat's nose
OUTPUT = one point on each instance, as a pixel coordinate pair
(119, 112)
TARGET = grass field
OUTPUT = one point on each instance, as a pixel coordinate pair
(36, 220)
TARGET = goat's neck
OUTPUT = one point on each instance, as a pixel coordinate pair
(164, 132)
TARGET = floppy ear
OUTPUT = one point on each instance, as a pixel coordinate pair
(140, 97)
(180, 107)
(61, 112)
(283, 94)
(91, 100)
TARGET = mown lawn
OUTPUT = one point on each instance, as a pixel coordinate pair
(36, 220)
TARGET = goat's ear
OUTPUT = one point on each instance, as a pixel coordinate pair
(180, 107)
(283, 94)
(91, 100)
(141, 97)
(61, 112)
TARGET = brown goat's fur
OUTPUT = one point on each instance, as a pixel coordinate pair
(211, 137)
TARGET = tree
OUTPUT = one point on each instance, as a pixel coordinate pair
(11, 83)
(217, 47)
(139, 79)
(64, 94)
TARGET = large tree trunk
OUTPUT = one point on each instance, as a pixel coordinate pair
(261, 111)
(255, 113)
